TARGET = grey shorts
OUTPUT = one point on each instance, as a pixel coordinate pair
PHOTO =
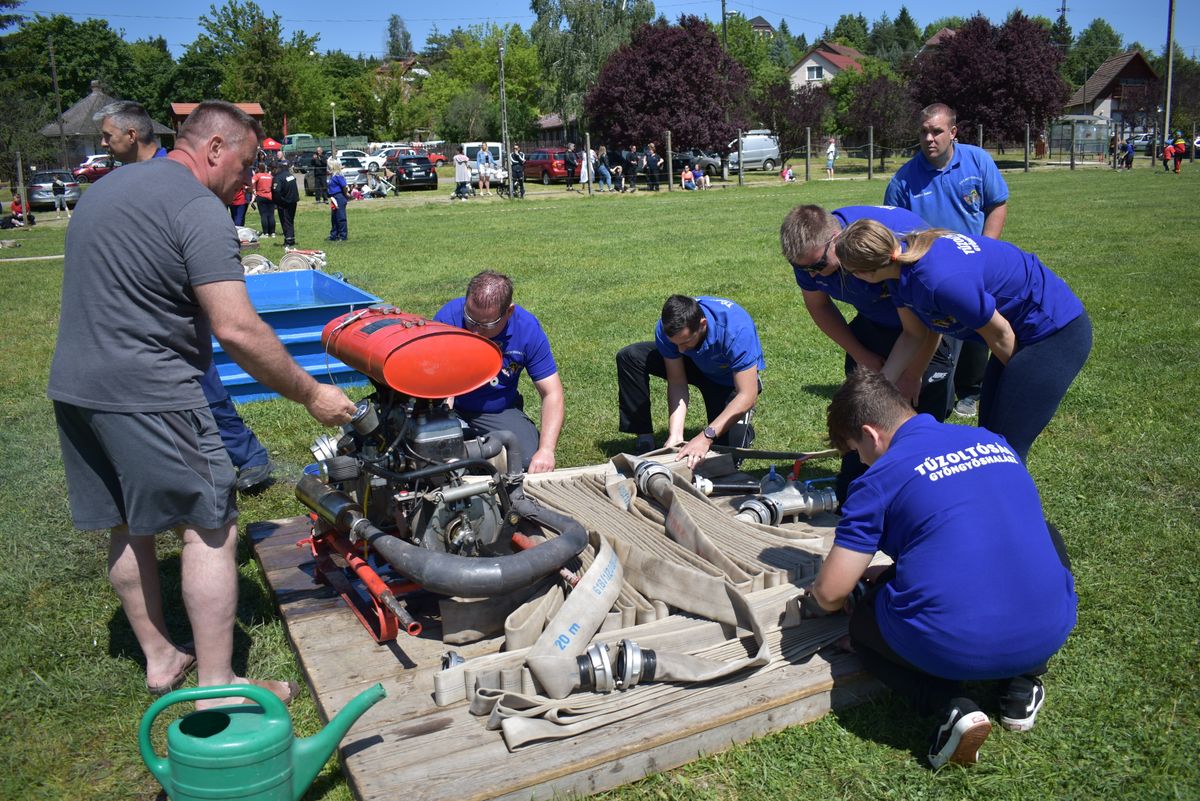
(151, 470)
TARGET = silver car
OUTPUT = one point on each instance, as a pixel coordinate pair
(41, 188)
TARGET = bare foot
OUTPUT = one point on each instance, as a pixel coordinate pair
(284, 690)
(165, 675)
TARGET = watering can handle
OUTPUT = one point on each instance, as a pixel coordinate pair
(272, 707)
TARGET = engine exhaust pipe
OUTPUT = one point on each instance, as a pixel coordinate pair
(450, 574)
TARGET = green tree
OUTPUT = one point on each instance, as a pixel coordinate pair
(7, 20)
(399, 40)
(801, 45)
(197, 75)
(753, 52)
(851, 29)
(151, 70)
(953, 23)
(874, 98)
(84, 52)
(882, 39)
(908, 35)
(1096, 44)
(1061, 35)
(254, 58)
(575, 37)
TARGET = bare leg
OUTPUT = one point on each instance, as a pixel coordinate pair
(210, 595)
(133, 573)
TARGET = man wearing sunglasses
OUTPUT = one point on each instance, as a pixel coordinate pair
(488, 310)
(706, 342)
(807, 237)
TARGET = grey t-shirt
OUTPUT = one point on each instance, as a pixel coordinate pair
(131, 336)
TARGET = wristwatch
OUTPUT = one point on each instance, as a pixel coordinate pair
(710, 432)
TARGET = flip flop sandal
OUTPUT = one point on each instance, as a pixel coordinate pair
(180, 677)
(292, 690)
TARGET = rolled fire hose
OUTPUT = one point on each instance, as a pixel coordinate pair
(450, 574)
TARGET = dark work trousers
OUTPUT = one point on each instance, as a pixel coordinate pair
(652, 178)
(238, 213)
(321, 185)
(244, 448)
(927, 693)
(637, 362)
(287, 221)
(968, 374)
(571, 175)
(631, 176)
(337, 218)
(1020, 398)
(511, 419)
(937, 388)
(266, 215)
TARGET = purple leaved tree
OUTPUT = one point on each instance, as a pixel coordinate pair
(670, 77)
(787, 111)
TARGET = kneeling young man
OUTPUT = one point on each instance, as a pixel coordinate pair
(980, 589)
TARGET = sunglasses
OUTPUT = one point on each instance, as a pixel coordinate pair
(819, 264)
(473, 323)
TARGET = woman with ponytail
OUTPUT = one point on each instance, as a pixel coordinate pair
(980, 289)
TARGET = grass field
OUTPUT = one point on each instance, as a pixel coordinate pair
(1118, 471)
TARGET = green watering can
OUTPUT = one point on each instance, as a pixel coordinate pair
(244, 752)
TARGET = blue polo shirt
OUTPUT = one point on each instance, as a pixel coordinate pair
(979, 591)
(953, 197)
(523, 344)
(873, 301)
(962, 280)
(730, 346)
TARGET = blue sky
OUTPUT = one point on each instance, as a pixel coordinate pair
(361, 28)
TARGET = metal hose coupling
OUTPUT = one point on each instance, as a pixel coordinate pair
(647, 473)
(598, 672)
(772, 508)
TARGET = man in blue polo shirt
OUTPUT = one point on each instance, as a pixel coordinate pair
(954, 186)
(706, 342)
(807, 237)
(955, 509)
(488, 310)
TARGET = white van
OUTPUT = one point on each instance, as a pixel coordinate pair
(471, 150)
(759, 149)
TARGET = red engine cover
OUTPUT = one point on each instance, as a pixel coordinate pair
(412, 355)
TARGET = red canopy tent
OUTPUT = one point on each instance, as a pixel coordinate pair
(271, 144)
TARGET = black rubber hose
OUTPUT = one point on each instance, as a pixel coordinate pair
(449, 574)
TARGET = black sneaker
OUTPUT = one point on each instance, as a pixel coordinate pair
(255, 477)
(1021, 702)
(960, 735)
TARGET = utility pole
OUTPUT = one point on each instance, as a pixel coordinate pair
(1170, 68)
(724, 28)
(62, 138)
(504, 122)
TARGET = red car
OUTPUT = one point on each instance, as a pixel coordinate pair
(437, 159)
(547, 166)
(95, 168)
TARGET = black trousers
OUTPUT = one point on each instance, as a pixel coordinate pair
(637, 362)
(321, 187)
(287, 221)
(937, 385)
(570, 176)
(968, 375)
(929, 694)
(266, 215)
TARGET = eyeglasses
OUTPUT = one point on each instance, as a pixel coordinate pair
(819, 264)
(473, 323)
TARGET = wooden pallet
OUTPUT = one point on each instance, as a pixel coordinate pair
(405, 746)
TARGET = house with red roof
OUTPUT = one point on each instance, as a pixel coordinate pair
(1122, 88)
(822, 62)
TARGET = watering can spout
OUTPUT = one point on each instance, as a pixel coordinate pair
(310, 754)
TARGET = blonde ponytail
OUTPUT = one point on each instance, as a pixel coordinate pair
(866, 246)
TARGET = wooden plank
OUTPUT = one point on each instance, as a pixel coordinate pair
(407, 742)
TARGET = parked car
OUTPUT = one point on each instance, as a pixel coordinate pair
(372, 163)
(41, 188)
(303, 162)
(709, 163)
(546, 165)
(759, 149)
(471, 149)
(353, 170)
(413, 172)
(437, 158)
(95, 168)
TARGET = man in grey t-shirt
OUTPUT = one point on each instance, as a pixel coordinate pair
(152, 267)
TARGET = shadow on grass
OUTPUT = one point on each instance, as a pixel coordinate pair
(253, 605)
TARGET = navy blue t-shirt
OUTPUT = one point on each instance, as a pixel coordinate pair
(962, 280)
(730, 346)
(979, 591)
(873, 301)
(524, 345)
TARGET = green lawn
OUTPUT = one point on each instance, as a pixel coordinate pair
(1118, 470)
